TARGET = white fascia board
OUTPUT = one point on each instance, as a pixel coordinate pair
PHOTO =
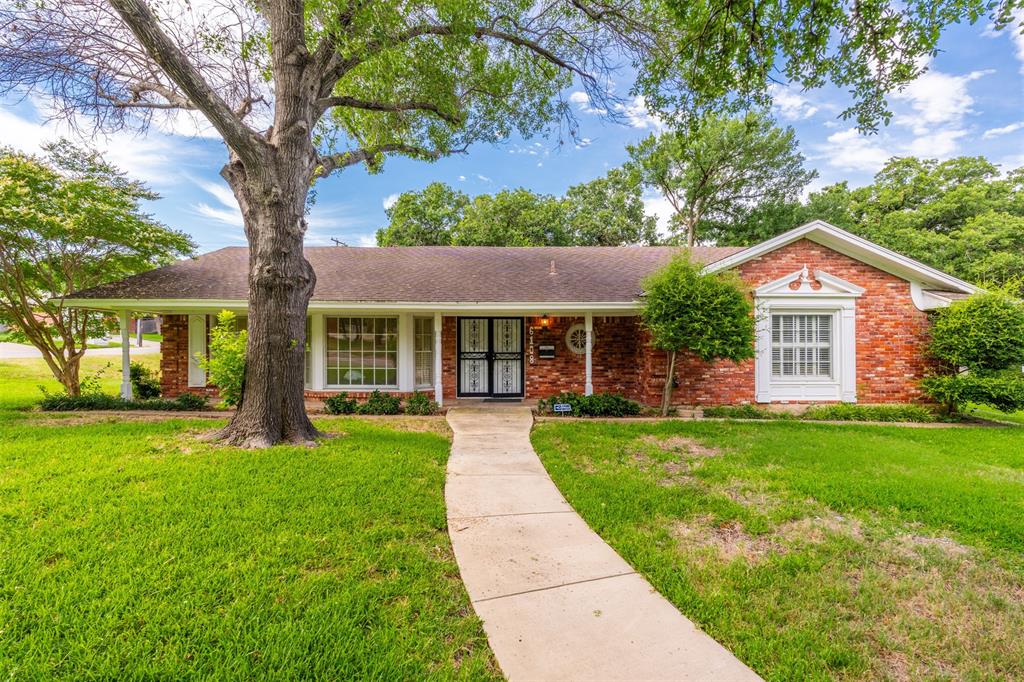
(854, 246)
(609, 308)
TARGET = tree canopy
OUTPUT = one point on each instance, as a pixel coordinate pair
(68, 222)
(962, 215)
(608, 211)
(720, 168)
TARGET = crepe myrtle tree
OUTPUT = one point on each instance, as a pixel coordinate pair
(69, 221)
(688, 310)
(301, 89)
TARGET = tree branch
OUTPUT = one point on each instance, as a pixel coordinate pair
(328, 164)
(146, 27)
(412, 105)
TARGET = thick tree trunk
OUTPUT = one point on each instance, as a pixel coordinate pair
(670, 377)
(281, 282)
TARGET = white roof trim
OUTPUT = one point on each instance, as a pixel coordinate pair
(851, 245)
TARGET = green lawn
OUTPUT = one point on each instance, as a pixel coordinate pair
(129, 549)
(817, 551)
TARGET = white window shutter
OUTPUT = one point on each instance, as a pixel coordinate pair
(196, 347)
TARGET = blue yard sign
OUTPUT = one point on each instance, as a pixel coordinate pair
(562, 407)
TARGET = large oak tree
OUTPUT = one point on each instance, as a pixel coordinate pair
(298, 90)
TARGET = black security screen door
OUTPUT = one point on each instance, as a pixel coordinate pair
(491, 357)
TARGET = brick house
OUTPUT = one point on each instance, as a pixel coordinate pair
(839, 319)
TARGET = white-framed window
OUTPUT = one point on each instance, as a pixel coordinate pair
(802, 346)
(362, 351)
(423, 350)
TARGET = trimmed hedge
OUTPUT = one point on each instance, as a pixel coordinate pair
(380, 403)
(869, 413)
(62, 402)
(1002, 391)
(834, 412)
(596, 405)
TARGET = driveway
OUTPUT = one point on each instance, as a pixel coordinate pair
(556, 601)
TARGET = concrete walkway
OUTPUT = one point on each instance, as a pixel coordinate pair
(556, 601)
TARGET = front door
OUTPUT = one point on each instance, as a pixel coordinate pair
(491, 357)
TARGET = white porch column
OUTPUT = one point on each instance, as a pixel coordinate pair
(406, 353)
(437, 358)
(317, 353)
(126, 377)
(588, 325)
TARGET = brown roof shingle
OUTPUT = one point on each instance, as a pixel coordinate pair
(423, 274)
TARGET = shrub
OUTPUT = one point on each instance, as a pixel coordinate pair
(980, 343)
(1003, 391)
(62, 402)
(340, 404)
(982, 333)
(744, 412)
(226, 365)
(421, 404)
(596, 405)
(870, 413)
(145, 382)
(380, 403)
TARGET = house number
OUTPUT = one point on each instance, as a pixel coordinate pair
(531, 355)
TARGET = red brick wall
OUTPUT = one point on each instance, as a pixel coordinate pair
(613, 362)
(891, 336)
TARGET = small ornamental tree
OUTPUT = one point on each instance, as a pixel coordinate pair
(226, 364)
(707, 314)
(979, 344)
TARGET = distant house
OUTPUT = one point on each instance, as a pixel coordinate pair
(839, 319)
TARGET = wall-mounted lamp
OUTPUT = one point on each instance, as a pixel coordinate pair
(545, 321)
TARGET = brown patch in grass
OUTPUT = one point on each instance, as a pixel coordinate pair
(682, 444)
(728, 539)
(816, 529)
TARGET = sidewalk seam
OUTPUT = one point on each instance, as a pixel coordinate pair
(555, 587)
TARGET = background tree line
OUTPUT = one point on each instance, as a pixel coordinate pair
(736, 181)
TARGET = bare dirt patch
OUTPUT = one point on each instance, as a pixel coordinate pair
(729, 540)
(689, 446)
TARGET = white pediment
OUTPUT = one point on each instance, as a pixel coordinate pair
(807, 282)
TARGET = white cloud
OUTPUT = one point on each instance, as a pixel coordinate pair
(390, 200)
(583, 103)
(462, 178)
(658, 206)
(583, 142)
(482, 178)
(937, 98)
(155, 159)
(226, 211)
(1005, 130)
(790, 104)
(850, 150)
(638, 116)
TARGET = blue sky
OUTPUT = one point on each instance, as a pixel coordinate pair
(971, 102)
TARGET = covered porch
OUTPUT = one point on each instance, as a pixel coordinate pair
(453, 353)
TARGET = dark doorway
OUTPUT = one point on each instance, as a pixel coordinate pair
(490, 357)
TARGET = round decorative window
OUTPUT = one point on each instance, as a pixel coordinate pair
(576, 338)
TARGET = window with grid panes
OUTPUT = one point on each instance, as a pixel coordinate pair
(802, 345)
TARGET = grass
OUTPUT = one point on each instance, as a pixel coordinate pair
(817, 551)
(131, 549)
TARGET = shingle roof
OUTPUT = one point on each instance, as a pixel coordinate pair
(423, 274)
